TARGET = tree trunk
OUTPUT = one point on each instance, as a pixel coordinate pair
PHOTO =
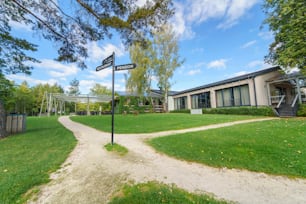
(3, 132)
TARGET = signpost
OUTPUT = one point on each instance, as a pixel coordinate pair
(125, 67)
(107, 62)
(103, 66)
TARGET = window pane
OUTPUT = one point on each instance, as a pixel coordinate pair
(219, 98)
(237, 100)
(245, 95)
(227, 97)
(194, 101)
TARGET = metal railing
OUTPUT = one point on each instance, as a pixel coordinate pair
(277, 100)
(295, 100)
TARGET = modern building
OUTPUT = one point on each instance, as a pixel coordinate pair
(267, 87)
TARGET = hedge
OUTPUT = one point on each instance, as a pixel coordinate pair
(263, 110)
(301, 110)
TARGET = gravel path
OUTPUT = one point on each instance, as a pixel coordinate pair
(91, 174)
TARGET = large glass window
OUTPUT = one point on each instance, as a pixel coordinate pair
(180, 103)
(201, 100)
(234, 96)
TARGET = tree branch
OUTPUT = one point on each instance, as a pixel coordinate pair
(39, 19)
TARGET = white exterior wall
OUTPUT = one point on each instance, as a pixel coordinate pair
(260, 87)
(170, 103)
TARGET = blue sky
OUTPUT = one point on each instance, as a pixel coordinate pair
(218, 39)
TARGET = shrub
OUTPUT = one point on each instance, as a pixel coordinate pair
(264, 111)
(301, 110)
(180, 111)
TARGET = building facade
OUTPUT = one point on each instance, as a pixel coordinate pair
(268, 87)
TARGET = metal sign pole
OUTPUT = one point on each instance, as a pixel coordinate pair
(107, 62)
(113, 98)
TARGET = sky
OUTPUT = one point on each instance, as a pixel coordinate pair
(218, 39)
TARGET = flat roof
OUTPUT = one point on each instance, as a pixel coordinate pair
(230, 80)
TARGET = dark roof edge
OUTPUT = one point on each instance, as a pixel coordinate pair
(230, 80)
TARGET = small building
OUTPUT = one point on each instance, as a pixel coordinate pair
(267, 87)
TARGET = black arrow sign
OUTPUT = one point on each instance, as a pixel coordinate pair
(109, 59)
(125, 67)
(103, 66)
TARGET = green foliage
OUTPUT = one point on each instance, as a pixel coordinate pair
(23, 98)
(99, 89)
(38, 94)
(160, 58)
(165, 45)
(301, 110)
(181, 111)
(287, 21)
(116, 148)
(155, 122)
(131, 104)
(74, 89)
(153, 192)
(94, 20)
(260, 111)
(139, 79)
(6, 90)
(27, 159)
(275, 147)
(13, 52)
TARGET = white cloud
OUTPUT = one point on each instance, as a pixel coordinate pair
(266, 35)
(258, 64)
(86, 85)
(248, 44)
(101, 74)
(179, 24)
(217, 64)
(198, 11)
(235, 10)
(255, 63)
(20, 26)
(194, 72)
(57, 69)
(140, 3)
(239, 73)
(97, 53)
(30, 80)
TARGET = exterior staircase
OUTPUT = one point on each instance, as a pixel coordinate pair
(286, 110)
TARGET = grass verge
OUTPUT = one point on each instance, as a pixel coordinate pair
(27, 159)
(275, 147)
(153, 192)
(148, 123)
(116, 148)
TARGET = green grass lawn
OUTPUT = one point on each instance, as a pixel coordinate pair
(27, 159)
(275, 147)
(120, 150)
(147, 123)
(154, 193)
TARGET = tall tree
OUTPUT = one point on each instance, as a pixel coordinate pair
(287, 20)
(38, 93)
(74, 87)
(159, 59)
(99, 89)
(165, 45)
(71, 30)
(139, 79)
(6, 95)
(86, 20)
(23, 99)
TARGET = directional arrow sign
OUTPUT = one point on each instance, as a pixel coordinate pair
(109, 59)
(125, 67)
(103, 66)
